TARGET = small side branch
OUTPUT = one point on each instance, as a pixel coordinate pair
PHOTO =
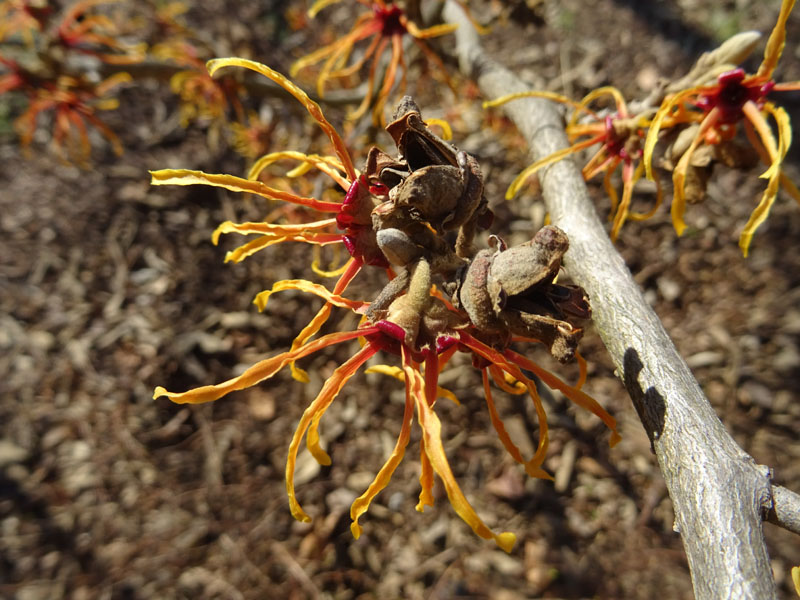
(785, 510)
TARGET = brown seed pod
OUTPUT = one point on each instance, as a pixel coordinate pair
(511, 292)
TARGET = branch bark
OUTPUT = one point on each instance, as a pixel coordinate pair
(720, 494)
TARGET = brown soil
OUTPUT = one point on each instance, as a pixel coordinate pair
(111, 287)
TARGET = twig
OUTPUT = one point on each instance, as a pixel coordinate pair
(719, 493)
(785, 511)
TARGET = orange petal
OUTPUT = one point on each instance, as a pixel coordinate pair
(236, 184)
(400, 375)
(304, 285)
(311, 416)
(260, 371)
(431, 438)
(312, 107)
(504, 381)
(353, 267)
(580, 398)
(534, 466)
(361, 504)
(627, 194)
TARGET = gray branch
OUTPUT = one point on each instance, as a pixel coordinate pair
(720, 494)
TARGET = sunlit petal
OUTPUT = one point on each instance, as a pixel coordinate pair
(303, 285)
(400, 375)
(573, 393)
(431, 436)
(361, 504)
(776, 41)
(313, 326)
(311, 106)
(236, 184)
(260, 371)
(310, 419)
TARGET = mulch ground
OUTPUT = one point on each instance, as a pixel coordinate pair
(109, 287)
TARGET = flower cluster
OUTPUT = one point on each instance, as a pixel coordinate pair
(697, 119)
(620, 137)
(414, 214)
(386, 25)
(73, 98)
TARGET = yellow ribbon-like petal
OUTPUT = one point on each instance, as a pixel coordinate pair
(776, 41)
(311, 416)
(432, 440)
(260, 371)
(661, 115)
(361, 504)
(399, 374)
(773, 173)
(353, 267)
(271, 229)
(304, 285)
(312, 107)
(329, 165)
(236, 184)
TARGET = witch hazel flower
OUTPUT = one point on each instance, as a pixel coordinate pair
(424, 330)
(347, 222)
(712, 112)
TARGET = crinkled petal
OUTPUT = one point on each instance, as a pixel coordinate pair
(776, 156)
(577, 396)
(246, 250)
(635, 216)
(361, 504)
(679, 174)
(520, 179)
(304, 285)
(661, 115)
(272, 229)
(502, 434)
(432, 440)
(400, 375)
(329, 165)
(776, 41)
(237, 184)
(260, 371)
(533, 467)
(310, 419)
(425, 480)
(312, 107)
(353, 267)
(506, 382)
(627, 194)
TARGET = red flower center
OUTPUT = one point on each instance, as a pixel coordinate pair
(733, 92)
(390, 18)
